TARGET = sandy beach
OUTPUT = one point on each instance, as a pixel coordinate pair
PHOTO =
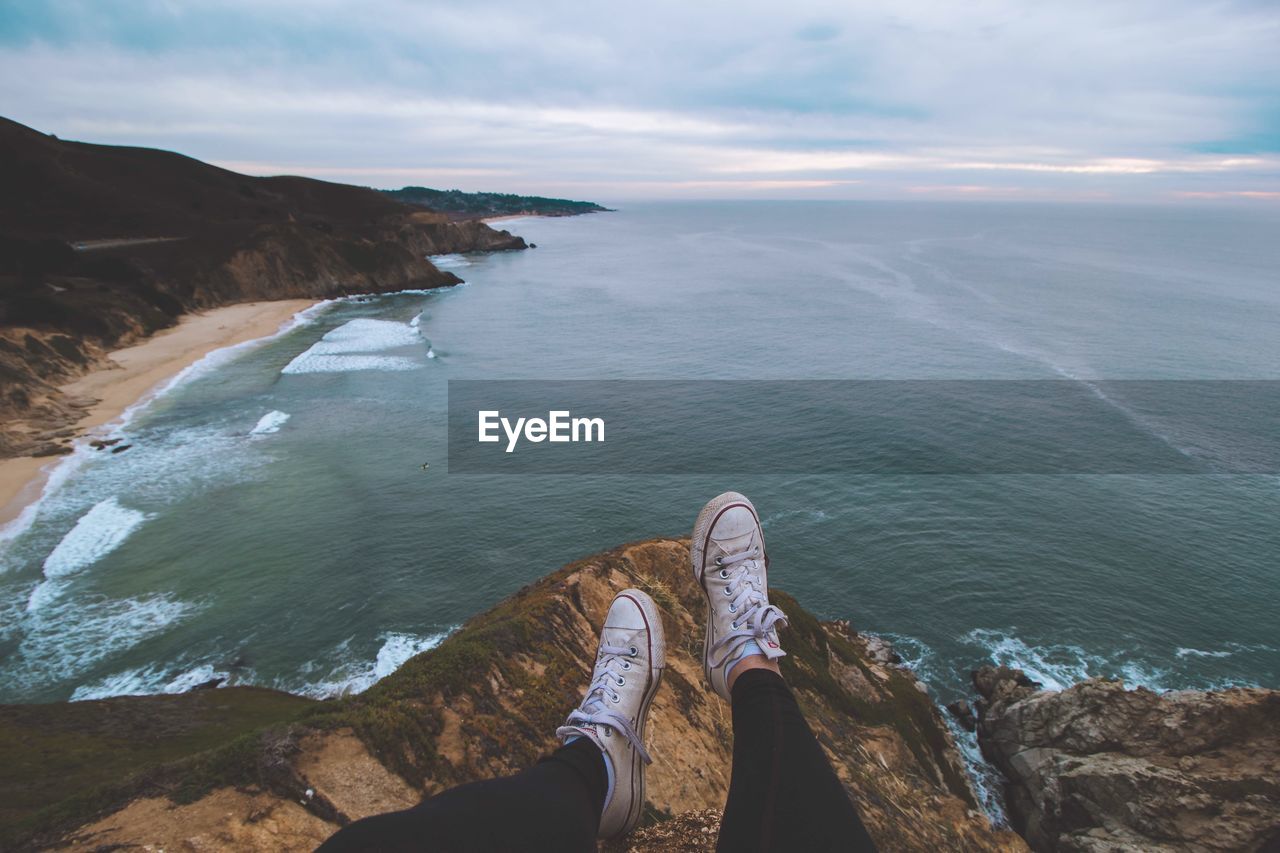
(510, 216)
(133, 374)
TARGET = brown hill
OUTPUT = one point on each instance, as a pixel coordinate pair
(101, 245)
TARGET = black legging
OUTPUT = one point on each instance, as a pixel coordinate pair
(783, 795)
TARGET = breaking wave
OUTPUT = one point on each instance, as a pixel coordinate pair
(353, 675)
(98, 532)
(356, 345)
(269, 423)
(146, 681)
(66, 638)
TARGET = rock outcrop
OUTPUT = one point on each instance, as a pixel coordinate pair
(487, 702)
(1097, 767)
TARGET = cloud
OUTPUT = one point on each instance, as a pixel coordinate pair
(1150, 99)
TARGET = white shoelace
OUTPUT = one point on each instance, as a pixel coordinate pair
(594, 710)
(754, 618)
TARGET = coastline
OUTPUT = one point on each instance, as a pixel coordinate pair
(132, 374)
(507, 217)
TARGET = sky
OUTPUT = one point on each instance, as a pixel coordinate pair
(1149, 100)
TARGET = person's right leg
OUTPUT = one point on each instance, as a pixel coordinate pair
(783, 793)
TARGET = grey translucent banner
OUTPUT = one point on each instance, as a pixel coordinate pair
(864, 427)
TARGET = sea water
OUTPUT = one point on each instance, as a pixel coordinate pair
(273, 523)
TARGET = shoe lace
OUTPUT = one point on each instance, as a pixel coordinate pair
(755, 616)
(594, 710)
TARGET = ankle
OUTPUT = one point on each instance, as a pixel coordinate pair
(748, 663)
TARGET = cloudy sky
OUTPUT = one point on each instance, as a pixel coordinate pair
(1166, 100)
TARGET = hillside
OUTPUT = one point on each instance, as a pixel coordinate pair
(102, 245)
(460, 205)
(256, 770)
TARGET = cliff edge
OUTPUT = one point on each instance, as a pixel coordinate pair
(487, 702)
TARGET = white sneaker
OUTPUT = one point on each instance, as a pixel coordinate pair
(628, 668)
(729, 562)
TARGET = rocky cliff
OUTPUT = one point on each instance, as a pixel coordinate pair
(103, 245)
(1097, 767)
(285, 773)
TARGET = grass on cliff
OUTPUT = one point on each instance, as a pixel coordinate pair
(62, 763)
(402, 730)
(911, 712)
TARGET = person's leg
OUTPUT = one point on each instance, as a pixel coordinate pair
(591, 787)
(783, 793)
(554, 805)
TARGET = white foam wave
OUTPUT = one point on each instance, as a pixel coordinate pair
(348, 363)
(365, 335)
(81, 452)
(353, 346)
(99, 531)
(1056, 667)
(1060, 665)
(1230, 650)
(269, 423)
(145, 681)
(66, 638)
(358, 676)
(1199, 653)
(449, 262)
(45, 593)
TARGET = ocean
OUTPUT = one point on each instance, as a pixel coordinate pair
(272, 522)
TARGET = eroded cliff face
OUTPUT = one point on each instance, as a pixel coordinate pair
(487, 702)
(1097, 767)
(71, 319)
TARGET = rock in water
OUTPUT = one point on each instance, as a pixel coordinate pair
(1097, 767)
(963, 712)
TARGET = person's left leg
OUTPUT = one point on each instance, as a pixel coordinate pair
(591, 787)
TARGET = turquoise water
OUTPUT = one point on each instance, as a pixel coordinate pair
(312, 552)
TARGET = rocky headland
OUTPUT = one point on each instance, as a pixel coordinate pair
(101, 246)
(1098, 767)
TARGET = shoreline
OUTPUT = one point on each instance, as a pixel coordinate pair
(133, 374)
(507, 217)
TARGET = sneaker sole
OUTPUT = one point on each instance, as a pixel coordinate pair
(698, 551)
(658, 662)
